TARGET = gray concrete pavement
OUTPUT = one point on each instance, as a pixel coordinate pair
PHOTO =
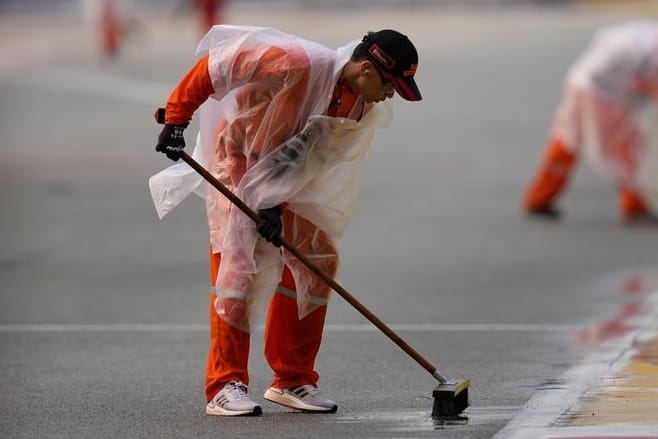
(437, 237)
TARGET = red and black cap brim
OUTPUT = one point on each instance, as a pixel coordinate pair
(405, 86)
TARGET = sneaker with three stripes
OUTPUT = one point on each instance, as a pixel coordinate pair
(306, 398)
(233, 400)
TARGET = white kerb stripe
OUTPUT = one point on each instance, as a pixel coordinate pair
(357, 327)
(545, 407)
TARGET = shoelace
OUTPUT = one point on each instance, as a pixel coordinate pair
(237, 390)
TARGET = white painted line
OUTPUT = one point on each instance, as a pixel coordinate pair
(94, 84)
(365, 327)
(458, 327)
(541, 414)
(102, 327)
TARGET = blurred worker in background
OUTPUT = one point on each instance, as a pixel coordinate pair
(112, 21)
(605, 90)
(115, 20)
(286, 129)
(210, 13)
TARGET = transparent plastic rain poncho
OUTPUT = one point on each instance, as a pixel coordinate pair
(264, 136)
(604, 113)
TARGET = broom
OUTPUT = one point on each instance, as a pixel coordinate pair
(450, 397)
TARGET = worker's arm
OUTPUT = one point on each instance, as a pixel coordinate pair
(189, 94)
(220, 72)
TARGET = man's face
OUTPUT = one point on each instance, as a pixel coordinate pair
(373, 84)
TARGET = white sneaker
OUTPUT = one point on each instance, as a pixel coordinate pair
(306, 398)
(233, 400)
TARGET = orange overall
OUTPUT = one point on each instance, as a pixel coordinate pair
(291, 344)
(619, 137)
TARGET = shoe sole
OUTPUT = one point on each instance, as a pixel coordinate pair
(218, 411)
(295, 404)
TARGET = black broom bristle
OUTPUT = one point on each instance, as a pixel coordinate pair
(450, 400)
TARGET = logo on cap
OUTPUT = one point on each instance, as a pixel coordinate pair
(411, 71)
(381, 56)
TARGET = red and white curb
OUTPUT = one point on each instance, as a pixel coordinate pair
(612, 393)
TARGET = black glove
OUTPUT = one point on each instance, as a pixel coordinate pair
(270, 225)
(171, 141)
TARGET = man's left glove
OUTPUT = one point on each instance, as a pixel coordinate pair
(270, 226)
(171, 141)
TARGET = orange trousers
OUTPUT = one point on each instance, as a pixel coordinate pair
(553, 176)
(291, 344)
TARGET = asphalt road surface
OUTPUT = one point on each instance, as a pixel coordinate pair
(103, 307)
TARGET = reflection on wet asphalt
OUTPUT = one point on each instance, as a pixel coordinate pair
(422, 421)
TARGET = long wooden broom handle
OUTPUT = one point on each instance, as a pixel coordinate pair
(315, 269)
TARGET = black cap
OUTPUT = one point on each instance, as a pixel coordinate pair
(397, 58)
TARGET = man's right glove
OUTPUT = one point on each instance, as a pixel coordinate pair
(171, 141)
(270, 226)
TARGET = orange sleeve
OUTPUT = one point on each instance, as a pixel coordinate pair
(189, 94)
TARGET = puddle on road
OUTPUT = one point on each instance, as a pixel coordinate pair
(423, 421)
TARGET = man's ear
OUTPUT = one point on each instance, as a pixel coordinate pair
(366, 67)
